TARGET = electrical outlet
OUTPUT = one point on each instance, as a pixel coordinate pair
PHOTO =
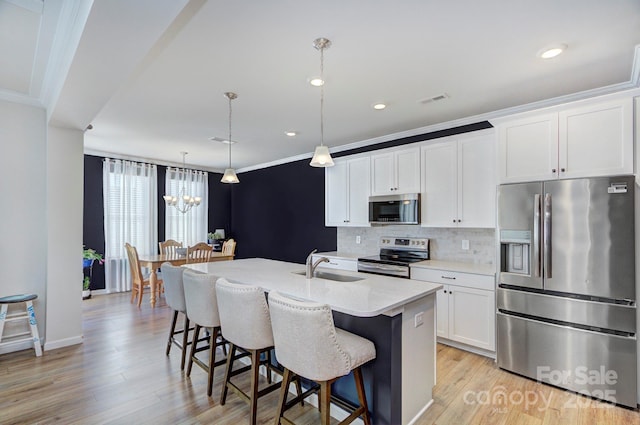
(418, 319)
(358, 239)
(465, 244)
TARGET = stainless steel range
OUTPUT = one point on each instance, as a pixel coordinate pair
(396, 254)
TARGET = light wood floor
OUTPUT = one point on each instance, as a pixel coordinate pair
(120, 375)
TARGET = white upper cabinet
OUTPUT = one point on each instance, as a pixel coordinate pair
(395, 172)
(592, 140)
(596, 140)
(459, 183)
(347, 188)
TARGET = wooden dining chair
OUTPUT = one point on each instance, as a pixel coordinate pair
(138, 281)
(229, 247)
(169, 247)
(199, 253)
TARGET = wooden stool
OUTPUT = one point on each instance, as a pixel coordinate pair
(28, 314)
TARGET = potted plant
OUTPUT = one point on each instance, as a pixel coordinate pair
(213, 237)
(88, 257)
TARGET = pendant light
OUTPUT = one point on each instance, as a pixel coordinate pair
(183, 202)
(230, 174)
(321, 156)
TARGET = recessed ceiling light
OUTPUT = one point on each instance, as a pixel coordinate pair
(552, 51)
(379, 106)
(316, 81)
(221, 140)
(290, 133)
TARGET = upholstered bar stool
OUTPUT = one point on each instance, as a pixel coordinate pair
(202, 310)
(28, 314)
(245, 321)
(309, 345)
(174, 296)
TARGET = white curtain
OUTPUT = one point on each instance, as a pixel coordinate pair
(130, 215)
(190, 227)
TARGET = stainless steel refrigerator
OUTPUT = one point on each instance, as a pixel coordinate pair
(566, 299)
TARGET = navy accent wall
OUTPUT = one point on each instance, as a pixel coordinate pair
(219, 205)
(278, 213)
(93, 215)
(419, 138)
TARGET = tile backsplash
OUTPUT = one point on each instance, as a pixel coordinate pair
(445, 244)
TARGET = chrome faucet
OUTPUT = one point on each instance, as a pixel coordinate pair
(311, 266)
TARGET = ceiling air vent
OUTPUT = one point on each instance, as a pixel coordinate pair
(435, 98)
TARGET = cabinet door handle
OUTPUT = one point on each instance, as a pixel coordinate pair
(454, 220)
(459, 221)
(562, 170)
(448, 277)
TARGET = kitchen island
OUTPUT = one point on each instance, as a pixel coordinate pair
(397, 315)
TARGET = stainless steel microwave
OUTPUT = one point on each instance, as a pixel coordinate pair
(395, 209)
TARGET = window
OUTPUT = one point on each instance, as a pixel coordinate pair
(130, 215)
(190, 227)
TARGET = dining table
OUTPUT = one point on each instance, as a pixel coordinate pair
(153, 263)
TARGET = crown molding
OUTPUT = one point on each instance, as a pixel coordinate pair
(153, 161)
(21, 98)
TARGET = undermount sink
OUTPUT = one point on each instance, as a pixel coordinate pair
(332, 276)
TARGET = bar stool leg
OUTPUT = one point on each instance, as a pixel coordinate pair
(34, 328)
(172, 331)
(212, 359)
(196, 335)
(357, 374)
(227, 374)
(255, 372)
(324, 403)
(284, 390)
(185, 342)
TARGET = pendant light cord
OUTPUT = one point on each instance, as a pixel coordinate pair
(230, 98)
(322, 96)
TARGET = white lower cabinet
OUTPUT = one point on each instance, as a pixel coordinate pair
(465, 306)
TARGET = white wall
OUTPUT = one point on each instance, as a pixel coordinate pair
(23, 244)
(65, 171)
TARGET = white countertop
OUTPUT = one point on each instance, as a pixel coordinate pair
(372, 296)
(484, 269)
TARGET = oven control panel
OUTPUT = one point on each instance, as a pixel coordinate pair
(404, 243)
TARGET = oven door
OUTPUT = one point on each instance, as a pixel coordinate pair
(383, 269)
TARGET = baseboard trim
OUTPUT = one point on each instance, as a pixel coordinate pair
(74, 340)
(465, 347)
(420, 413)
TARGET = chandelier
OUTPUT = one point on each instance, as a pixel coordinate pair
(321, 156)
(183, 202)
(230, 174)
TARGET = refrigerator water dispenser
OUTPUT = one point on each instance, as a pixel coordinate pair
(515, 246)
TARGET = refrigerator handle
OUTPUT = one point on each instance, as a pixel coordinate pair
(536, 236)
(546, 248)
